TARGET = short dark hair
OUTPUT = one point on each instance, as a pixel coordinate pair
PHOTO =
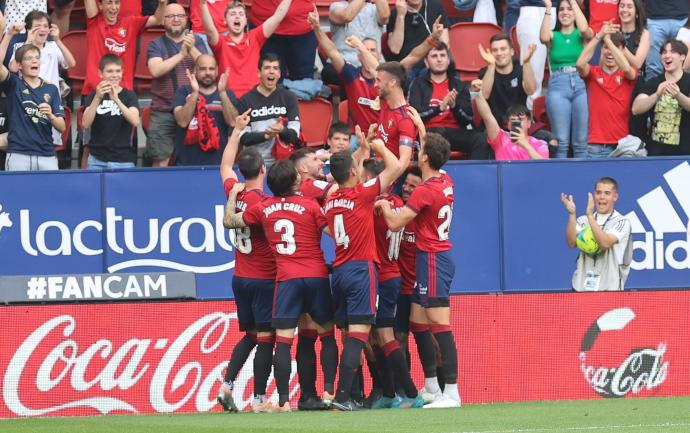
(282, 177)
(414, 171)
(249, 163)
(500, 37)
(109, 59)
(268, 57)
(36, 15)
(396, 70)
(300, 153)
(437, 149)
(338, 127)
(21, 52)
(341, 163)
(373, 166)
(676, 47)
(518, 110)
(618, 39)
(609, 181)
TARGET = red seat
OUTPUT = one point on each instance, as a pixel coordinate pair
(146, 118)
(539, 112)
(316, 117)
(464, 39)
(142, 75)
(75, 41)
(343, 112)
(515, 42)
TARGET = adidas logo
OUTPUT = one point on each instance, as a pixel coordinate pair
(658, 251)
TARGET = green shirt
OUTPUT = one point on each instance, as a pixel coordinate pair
(565, 49)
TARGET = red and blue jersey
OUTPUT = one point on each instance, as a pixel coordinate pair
(253, 256)
(350, 215)
(388, 242)
(293, 227)
(396, 128)
(407, 260)
(361, 95)
(432, 201)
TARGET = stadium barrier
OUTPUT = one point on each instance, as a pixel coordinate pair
(153, 357)
(508, 226)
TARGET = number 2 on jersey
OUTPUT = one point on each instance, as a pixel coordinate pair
(341, 237)
(445, 213)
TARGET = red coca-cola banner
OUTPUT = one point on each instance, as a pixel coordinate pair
(170, 357)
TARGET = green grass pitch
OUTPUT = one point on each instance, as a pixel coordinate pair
(600, 416)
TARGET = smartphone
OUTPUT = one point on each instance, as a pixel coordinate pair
(515, 125)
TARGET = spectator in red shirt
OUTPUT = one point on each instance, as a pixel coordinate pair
(239, 51)
(443, 102)
(293, 42)
(109, 33)
(609, 87)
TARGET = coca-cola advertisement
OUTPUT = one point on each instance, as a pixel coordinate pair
(162, 357)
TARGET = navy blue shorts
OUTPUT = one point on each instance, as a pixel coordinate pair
(354, 291)
(435, 272)
(302, 295)
(402, 314)
(254, 299)
(387, 302)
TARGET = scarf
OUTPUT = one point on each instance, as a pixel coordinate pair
(206, 132)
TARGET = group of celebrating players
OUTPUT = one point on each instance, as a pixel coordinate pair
(392, 269)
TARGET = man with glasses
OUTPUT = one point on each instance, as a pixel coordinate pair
(168, 58)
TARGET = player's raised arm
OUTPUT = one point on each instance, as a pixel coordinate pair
(392, 165)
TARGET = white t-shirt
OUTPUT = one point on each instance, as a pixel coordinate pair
(609, 269)
(17, 10)
(365, 25)
(51, 59)
(684, 34)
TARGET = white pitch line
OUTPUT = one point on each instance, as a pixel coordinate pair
(531, 430)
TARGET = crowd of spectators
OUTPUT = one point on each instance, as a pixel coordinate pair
(608, 70)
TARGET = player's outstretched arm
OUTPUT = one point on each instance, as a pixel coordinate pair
(230, 152)
(395, 221)
(232, 220)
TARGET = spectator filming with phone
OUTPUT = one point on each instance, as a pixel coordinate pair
(515, 144)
